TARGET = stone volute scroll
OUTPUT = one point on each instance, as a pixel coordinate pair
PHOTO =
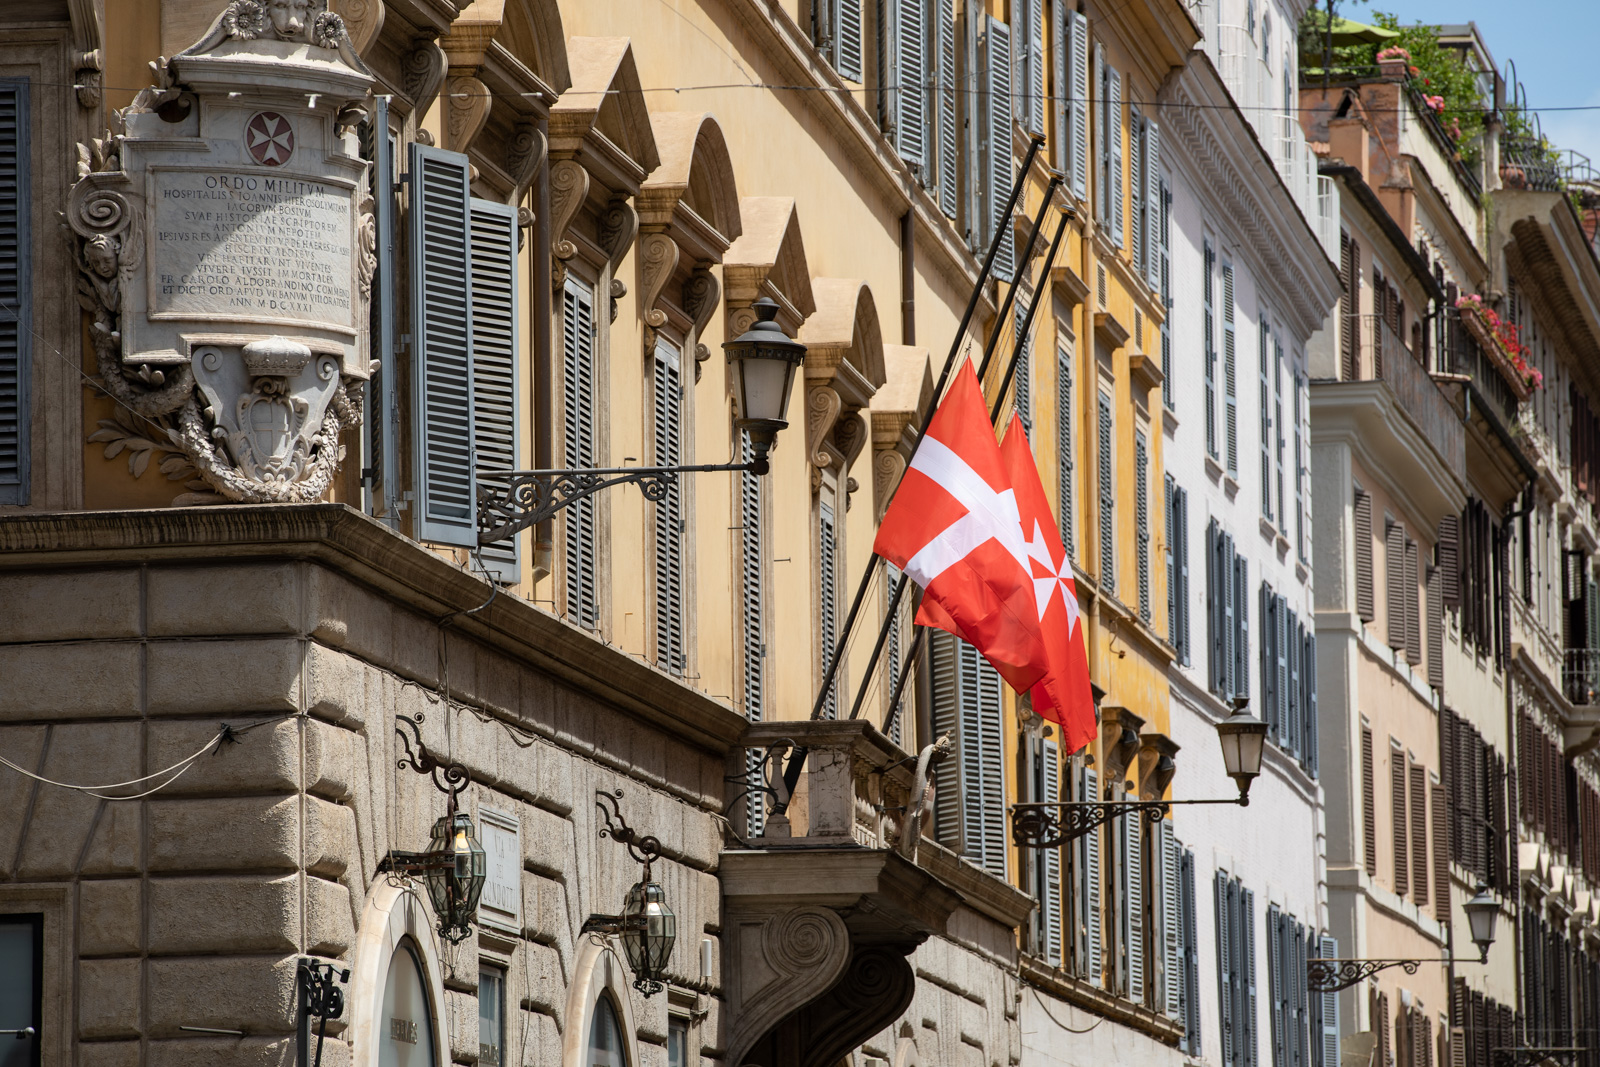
(223, 239)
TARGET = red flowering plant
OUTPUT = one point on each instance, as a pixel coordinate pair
(1394, 52)
(1507, 339)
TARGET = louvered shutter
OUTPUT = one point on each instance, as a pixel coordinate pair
(1108, 548)
(1435, 590)
(997, 158)
(1065, 498)
(1022, 377)
(828, 598)
(1051, 857)
(1078, 102)
(894, 647)
(497, 394)
(948, 129)
(1266, 426)
(1349, 309)
(1441, 855)
(1299, 995)
(1171, 995)
(1102, 140)
(441, 307)
(1247, 976)
(1189, 908)
(1302, 525)
(16, 295)
(989, 805)
(752, 622)
(1363, 556)
(1450, 560)
(1394, 561)
(1216, 626)
(382, 427)
(1209, 258)
(1413, 607)
(1397, 810)
(1369, 810)
(847, 39)
(1421, 870)
(1061, 70)
(1308, 702)
(1089, 883)
(1168, 392)
(1133, 927)
(1325, 1011)
(1180, 505)
(1138, 230)
(1381, 1024)
(970, 795)
(1269, 652)
(1228, 572)
(1172, 559)
(577, 406)
(1277, 433)
(1141, 513)
(667, 424)
(1241, 652)
(1030, 56)
(1114, 131)
(1288, 673)
(1230, 373)
(1227, 979)
(1277, 985)
(907, 97)
(950, 775)
(1154, 209)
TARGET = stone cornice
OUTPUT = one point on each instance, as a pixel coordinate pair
(1236, 180)
(368, 552)
(980, 890)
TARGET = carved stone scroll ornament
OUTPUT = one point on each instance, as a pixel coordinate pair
(307, 21)
(524, 155)
(88, 79)
(873, 992)
(887, 467)
(823, 406)
(700, 293)
(363, 20)
(423, 73)
(467, 110)
(783, 962)
(569, 186)
(658, 262)
(617, 229)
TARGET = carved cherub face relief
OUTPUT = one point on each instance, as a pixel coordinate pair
(289, 17)
(100, 256)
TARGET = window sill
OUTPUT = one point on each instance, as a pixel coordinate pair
(1093, 998)
(1213, 468)
(1230, 485)
(1269, 532)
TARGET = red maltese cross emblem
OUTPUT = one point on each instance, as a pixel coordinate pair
(270, 139)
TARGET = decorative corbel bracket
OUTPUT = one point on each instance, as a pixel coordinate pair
(618, 227)
(466, 111)
(569, 187)
(700, 294)
(87, 79)
(423, 73)
(783, 962)
(657, 264)
(524, 155)
(823, 406)
(888, 465)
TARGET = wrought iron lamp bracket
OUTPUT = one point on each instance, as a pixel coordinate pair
(1527, 1057)
(1332, 975)
(527, 498)
(644, 848)
(454, 776)
(1044, 825)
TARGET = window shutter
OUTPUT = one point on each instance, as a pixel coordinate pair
(16, 295)
(1363, 556)
(970, 794)
(1210, 260)
(382, 427)
(1022, 379)
(1277, 985)
(1269, 652)
(1188, 906)
(752, 620)
(1089, 882)
(1171, 995)
(1381, 1024)
(1435, 589)
(1302, 527)
(949, 130)
(1065, 497)
(441, 302)
(1078, 103)
(1114, 130)
(1168, 392)
(1061, 70)
(1413, 607)
(1226, 574)
(1227, 980)
(1349, 307)
(1277, 433)
(1308, 702)
(1141, 513)
(828, 598)
(1266, 426)
(1102, 139)
(1132, 835)
(1300, 1010)
(577, 403)
(1441, 855)
(1420, 867)
(1172, 560)
(1369, 809)
(997, 144)
(667, 424)
(1288, 672)
(1051, 905)
(1325, 1010)
(1230, 376)
(1155, 213)
(1030, 56)
(950, 775)
(847, 39)
(1138, 230)
(497, 414)
(1185, 647)
(1241, 652)
(907, 77)
(1450, 560)
(1214, 609)
(1247, 975)
(1394, 561)
(1108, 548)
(1397, 807)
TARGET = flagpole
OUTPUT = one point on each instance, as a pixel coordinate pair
(798, 758)
(1011, 368)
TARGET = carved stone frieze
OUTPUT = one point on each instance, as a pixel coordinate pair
(467, 109)
(658, 261)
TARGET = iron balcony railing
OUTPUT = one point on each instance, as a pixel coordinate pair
(1580, 675)
(1378, 354)
(1461, 354)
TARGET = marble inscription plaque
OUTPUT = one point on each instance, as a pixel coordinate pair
(501, 902)
(245, 245)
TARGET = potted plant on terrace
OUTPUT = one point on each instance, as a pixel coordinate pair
(1500, 340)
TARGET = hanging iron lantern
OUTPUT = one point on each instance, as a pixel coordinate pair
(456, 867)
(647, 927)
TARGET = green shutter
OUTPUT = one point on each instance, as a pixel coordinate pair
(497, 412)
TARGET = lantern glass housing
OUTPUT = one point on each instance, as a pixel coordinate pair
(1243, 736)
(761, 366)
(648, 930)
(1482, 911)
(456, 869)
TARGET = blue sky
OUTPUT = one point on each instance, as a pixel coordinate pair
(1552, 43)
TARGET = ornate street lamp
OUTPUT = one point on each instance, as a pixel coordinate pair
(1243, 737)
(761, 366)
(455, 867)
(1332, 975)
(647, 927)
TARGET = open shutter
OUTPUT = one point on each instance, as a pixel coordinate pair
(997, 144)
(1420, 867)
(441, 332)
(1394, 552)
(1114, 131)
(1227, 892)
(990, 803)
(847, 39)
(1325, 1013)
(16, 295)
(1441, 855)
(908, 76)
(1277, 984)
(1209, 258)
(1269, 651)
(828, 598)
(1247, 976)
(1078, 102)
(1050, 779)
(1308, 699)
(1266, 424)
(1089, 883)
(752, 623)
(945, 102)
(1435, 598)
(1030, 55)
(1171, 995)
(1108, 547)
(970, 794)
(1369, 804)
(1241, 653)
(1102, 140)
(1365, 607)
(497, 414)
(1277, 434)
(1225, 571)
(1060, 87)
(1065, 498)
(579, 533)
(1230, 374)
(1189, 916)
(1153, 211)
(1022, 378)
(1397, 808)
(382, 423)
(1413, 606)
(667, 426)
(1172, 559)
(1132, 835)
(1450, 560)
(1164, 289)
(1141, 520)
(944, 675)
(1299, 1019)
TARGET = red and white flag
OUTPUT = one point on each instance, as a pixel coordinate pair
(955, 529)
(1062, 695)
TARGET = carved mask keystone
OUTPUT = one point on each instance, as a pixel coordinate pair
(224, 250)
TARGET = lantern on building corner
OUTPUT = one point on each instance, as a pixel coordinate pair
(647, 926)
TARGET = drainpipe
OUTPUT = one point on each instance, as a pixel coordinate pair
(543, 367)
(908, 278)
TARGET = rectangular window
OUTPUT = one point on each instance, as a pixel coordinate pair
(1287, 989)
(1066, 499)
(16, 295)
(491, 1016)
(828, 599)
(1141, 490)
(1265, 397)
(946, 92)
(996, 148)
(1230, 375)
(578, 449)
(670, 516)
(1188, 926)
(1210, 326)
(1107, 500)
(1236, 970)
(903, 96)
(677, 1041)
(970, 799)
(1111, 166)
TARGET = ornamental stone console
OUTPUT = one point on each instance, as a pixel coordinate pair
(225, 250)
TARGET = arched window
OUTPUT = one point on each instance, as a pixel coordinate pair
(405, 1038)
(606, 1046)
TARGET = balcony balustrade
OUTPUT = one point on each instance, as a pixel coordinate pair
(1380, 355)
(1580, 675)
